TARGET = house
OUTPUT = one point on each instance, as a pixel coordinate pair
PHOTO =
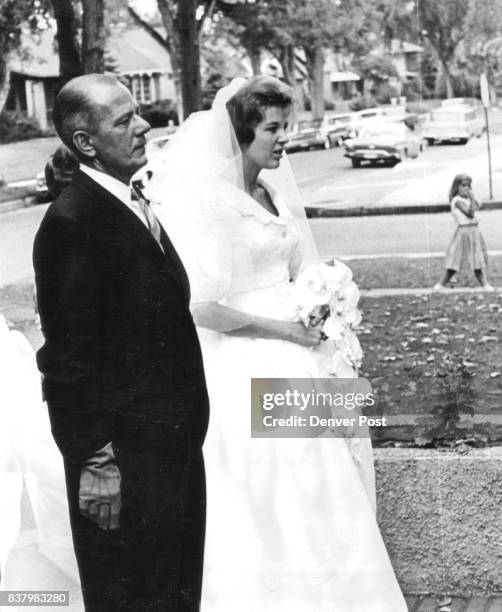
(34, 74)
(406, 58)
(340, 83)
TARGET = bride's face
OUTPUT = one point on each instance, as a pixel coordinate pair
(269, 139)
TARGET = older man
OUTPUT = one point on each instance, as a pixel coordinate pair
(122, 368)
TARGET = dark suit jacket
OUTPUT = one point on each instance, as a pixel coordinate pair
(121, 357)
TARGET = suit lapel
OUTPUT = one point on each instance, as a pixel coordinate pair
(116, 213)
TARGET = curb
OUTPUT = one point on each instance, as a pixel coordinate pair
(25, 202)
(313, 212)
(325, 211)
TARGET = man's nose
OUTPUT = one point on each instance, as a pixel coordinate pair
(142, 126)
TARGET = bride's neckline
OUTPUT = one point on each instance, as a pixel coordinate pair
(258, 206)
(273, 210)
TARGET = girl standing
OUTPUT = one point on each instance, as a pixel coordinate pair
(467, 250)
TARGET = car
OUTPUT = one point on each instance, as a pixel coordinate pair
(453, 123)
(308, 134)
(387, 143)
(41, 185)
(364, 118)
(338, 127)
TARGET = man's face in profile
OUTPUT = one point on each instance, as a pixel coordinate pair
(119, 132)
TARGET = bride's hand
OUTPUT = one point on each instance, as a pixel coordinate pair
(305, 336)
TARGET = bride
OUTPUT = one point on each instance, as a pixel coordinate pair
(291, 523)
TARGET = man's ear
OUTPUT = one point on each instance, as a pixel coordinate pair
(83, 143)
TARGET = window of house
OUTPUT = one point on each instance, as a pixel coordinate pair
(146, 92)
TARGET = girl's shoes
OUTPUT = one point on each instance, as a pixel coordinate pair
(488, 287)
(438, 287)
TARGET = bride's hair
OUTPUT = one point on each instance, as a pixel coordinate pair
(247, 105)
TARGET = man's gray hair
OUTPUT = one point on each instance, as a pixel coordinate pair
(74, 108)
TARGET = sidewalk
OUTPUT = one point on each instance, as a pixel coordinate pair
(458, 604)
(332, 209)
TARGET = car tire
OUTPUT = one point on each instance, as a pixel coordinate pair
(356, 163)
(430, 141)
(463, 141)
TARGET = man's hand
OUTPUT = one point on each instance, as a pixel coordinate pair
(99, 494)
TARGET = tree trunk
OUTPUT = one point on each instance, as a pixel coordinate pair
(93, 38)
(69, 56)
(4, 85)
(255, 59)
(315, 66)
(190, 57)
(449, 83)
(166, 10)
(287, 60)
(444, 83)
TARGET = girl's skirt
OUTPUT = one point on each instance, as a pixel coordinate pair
(467, 251)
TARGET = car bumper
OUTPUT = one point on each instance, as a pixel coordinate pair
(369, 155)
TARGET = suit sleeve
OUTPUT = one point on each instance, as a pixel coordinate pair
(68, 282)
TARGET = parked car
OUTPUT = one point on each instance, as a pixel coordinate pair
(453, 123)
(41, 185)
(387, 143)
(308, 135)
(338, 127)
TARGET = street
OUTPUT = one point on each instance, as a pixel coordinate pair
(340, 237)
(327, 177)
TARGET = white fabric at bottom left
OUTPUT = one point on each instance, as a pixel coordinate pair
(29, 456)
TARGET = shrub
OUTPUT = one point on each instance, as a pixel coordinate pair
(329, 105)
(418, 107)
(159, 113)
(15, 126)
(385, 92)
(360, 102)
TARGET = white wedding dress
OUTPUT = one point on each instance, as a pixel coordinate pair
(291, 523)
(29, 457)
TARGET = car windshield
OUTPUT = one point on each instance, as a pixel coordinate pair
(308, 125)
(384, 131)
(450, 115)
(343, 119)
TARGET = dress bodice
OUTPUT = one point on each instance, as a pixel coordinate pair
(238, 247)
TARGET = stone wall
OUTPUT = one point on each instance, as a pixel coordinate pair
(440, 513)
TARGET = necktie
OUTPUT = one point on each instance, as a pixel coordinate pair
(151, 220)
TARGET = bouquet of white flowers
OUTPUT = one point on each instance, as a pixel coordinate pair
(326, 295)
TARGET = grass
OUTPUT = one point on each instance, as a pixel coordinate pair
(403, 272)
(14, 193)
(414, 346)
(436, 355)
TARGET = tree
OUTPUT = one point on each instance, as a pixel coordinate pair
(253, 28)
(445, 25)
(14, 16)
(183, 21)
(315, 26)
(93, 36)
(68, 48)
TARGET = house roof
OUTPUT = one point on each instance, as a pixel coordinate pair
(339, 76)
(401, 46)
(133, 51)
(38, 58)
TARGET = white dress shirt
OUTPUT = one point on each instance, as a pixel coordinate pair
(120, 190)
